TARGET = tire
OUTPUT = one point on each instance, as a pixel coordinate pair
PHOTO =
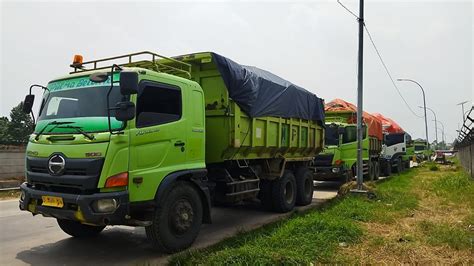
(371, 170)
(304, 187)
(388, 169)
(377, 170)
(284, 192)
(177, 219)
(265, 194)
(402, 163)
(76, 229)
(398, 168)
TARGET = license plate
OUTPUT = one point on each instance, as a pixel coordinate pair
(52, 201)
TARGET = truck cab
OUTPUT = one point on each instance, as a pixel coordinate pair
(394, 150)
(106, 146)
(338, 159)
(421, 150)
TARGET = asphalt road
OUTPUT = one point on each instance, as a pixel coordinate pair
(25, 239)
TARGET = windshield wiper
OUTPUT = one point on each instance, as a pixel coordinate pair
(56, 123)
(79, 129)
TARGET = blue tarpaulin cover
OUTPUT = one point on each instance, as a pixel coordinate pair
(260, 93)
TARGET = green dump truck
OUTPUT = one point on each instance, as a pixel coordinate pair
(338, 160)
(422, 151)
(147, 140)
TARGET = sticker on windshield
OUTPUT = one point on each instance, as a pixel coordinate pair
(81, 82)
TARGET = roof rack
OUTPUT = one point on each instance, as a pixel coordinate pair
(155, 62)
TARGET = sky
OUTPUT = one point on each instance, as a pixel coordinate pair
(310, 43)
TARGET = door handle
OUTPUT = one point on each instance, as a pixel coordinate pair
(179, 144)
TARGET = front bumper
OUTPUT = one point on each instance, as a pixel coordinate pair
(76, 207)
(325, 173)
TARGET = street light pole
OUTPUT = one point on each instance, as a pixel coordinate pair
(436, 123)
(462, 107)
(442, 130)
(424, 105)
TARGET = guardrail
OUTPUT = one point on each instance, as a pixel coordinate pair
(9, 188)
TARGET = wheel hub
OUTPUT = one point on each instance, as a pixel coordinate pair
(288, 192)
(181, 216)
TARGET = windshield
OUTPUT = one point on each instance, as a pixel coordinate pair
(350, 134)
(392, 139)
(85, 106)
(331, 136)
(419, 148)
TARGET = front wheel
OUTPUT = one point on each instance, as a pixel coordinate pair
(76, 229)
(177, 220)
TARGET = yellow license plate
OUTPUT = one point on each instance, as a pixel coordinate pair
(51, 201)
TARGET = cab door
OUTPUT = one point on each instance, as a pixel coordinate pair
(158, 139)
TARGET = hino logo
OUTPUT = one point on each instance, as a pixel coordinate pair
(56, 164)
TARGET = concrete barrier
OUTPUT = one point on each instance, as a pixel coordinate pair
(466, 157)
(12, 162)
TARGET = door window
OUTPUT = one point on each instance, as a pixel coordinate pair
(158, 104)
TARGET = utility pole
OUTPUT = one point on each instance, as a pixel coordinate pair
(360, 177)
(462, 106)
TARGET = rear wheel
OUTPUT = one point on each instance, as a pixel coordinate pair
(177, 220)
(304, 186)
(284, 192)
(371, 170)
(387, 171)
(398, 167)
(76, 229)
(376, 170)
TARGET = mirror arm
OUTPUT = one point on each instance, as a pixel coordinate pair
(114, 66)
(31, 87)
(39, 86)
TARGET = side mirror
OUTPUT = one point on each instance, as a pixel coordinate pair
(28, 103)
(124, 111)
(128, 82)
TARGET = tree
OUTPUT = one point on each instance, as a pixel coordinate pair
(20, 125)
(4, 138)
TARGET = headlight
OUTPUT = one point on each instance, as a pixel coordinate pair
(335, 170)
(104, 205)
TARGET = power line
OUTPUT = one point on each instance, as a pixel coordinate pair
(381, 60)
(348, 10)
(388, 72)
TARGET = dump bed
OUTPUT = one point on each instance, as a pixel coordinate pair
(253, 114)
(389, 126)
(338, 109)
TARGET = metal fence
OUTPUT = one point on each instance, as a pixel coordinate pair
(464, 143)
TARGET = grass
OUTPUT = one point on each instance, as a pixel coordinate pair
(440, 234)
(438, 230)
(423, 216)
(313, 237)
(281, 243)
(456, 187)
(11, 194)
